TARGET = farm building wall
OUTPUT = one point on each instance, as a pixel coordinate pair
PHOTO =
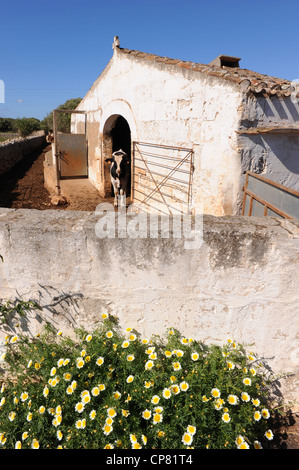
(275, 153)
(241, 281)
(172, 106)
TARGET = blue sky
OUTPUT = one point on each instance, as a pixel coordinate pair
(54, 51)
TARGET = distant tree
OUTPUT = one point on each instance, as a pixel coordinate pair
(7, 125)
(26, 126)
(64, 119)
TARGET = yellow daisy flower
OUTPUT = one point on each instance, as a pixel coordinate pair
(35, 444)
(79, 407)
(146, 414)
(257, 445)
(265, 413)
(191, 429)
(257, 416)
(245, 397)
(247, 381)
(100, 361)
(187, 439)
(157, 418)
(80, 362)
(107, 429)
(149, 365)
(166, 393)
(184, 386)
(111, 412)
(215, 392)
(24, 396)
(155, 399)
(95, 391)
(226, 417)
(243, 445)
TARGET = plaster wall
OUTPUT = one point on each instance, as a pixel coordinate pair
(240, 282)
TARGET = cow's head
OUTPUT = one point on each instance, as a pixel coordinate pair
(119, 160)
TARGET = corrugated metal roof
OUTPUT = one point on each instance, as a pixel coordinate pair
(249, 81)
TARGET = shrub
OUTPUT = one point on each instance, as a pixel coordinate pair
(64, 119)
(27, 125)
(108, 389)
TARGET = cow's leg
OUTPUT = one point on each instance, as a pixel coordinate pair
(122, 198)
(115, 189)
(115, 197)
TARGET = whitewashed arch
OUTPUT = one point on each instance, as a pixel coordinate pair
(122, 108)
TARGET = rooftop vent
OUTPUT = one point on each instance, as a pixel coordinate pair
(226, 61)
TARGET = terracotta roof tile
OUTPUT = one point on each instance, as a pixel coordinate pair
(250, 80)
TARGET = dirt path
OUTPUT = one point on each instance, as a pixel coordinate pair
(23, 188)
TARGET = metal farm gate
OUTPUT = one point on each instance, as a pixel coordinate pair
(162, 178)
(70, 149)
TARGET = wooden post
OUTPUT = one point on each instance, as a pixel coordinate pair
(56, 154)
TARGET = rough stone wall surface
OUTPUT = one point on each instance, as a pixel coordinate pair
(240, 283)
(11, 152)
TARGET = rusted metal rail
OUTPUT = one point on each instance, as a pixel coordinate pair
(263, 197)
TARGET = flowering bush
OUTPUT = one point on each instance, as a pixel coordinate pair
(108, 389)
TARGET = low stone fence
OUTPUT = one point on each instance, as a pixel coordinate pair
(12, 151)
(239, 282)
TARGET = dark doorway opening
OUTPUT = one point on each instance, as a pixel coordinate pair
(121, 136)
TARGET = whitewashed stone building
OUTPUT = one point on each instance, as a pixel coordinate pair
(192, 130)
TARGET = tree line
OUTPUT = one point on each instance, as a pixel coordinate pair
(25, 126)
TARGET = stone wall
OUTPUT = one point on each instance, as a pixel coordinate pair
(241, 282)
(12, 151)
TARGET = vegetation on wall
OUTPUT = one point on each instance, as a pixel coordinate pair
(112, 389)
(22, 126)
(7, 125)
(26, 126)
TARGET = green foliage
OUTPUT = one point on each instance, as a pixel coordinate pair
(26, 126)
(108, 389)
(7, 125)
(14, 308)
(63, 120)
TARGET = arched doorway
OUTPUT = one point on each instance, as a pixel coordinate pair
(116, 136)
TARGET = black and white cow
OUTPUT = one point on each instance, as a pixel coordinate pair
(119, 172)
